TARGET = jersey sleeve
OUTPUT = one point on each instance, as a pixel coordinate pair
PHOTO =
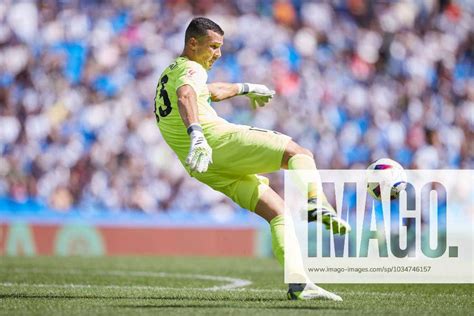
(194, 75)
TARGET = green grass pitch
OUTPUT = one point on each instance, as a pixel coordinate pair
(190, 285)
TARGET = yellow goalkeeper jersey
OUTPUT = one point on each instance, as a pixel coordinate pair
(181, 72)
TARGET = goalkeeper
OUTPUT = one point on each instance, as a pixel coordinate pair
(229, 157)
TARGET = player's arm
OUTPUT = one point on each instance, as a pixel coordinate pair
(187, 105)
(200, 153)
(258, 94)
(220, 90)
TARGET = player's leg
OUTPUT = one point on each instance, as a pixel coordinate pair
(253, 193)
(270, 206)
(297, 158)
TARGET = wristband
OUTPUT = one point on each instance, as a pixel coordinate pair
(244, 88)
(194, 127)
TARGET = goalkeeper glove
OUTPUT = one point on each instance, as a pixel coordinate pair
(200, 154)
(258, 94)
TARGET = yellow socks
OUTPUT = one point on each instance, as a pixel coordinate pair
(277, 226)
(304, 162)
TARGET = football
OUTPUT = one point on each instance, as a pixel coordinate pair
(385, 174)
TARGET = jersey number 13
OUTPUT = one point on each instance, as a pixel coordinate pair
(163, 94)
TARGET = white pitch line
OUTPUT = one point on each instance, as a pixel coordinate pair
(232, 283)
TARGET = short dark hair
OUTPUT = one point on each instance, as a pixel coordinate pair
(199, 26)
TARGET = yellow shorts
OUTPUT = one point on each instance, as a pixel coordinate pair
(239, 154)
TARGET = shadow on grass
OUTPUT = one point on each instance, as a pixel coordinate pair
(220, 302)
(226, 306)
(154, 297)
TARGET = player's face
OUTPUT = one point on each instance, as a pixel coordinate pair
(208, 49)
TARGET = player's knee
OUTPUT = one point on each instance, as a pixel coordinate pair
(299, 150)
(292, 150)
(307, 152)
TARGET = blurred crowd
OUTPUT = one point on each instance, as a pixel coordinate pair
(355, 80)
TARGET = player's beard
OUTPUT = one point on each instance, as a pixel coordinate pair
(211, 62)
